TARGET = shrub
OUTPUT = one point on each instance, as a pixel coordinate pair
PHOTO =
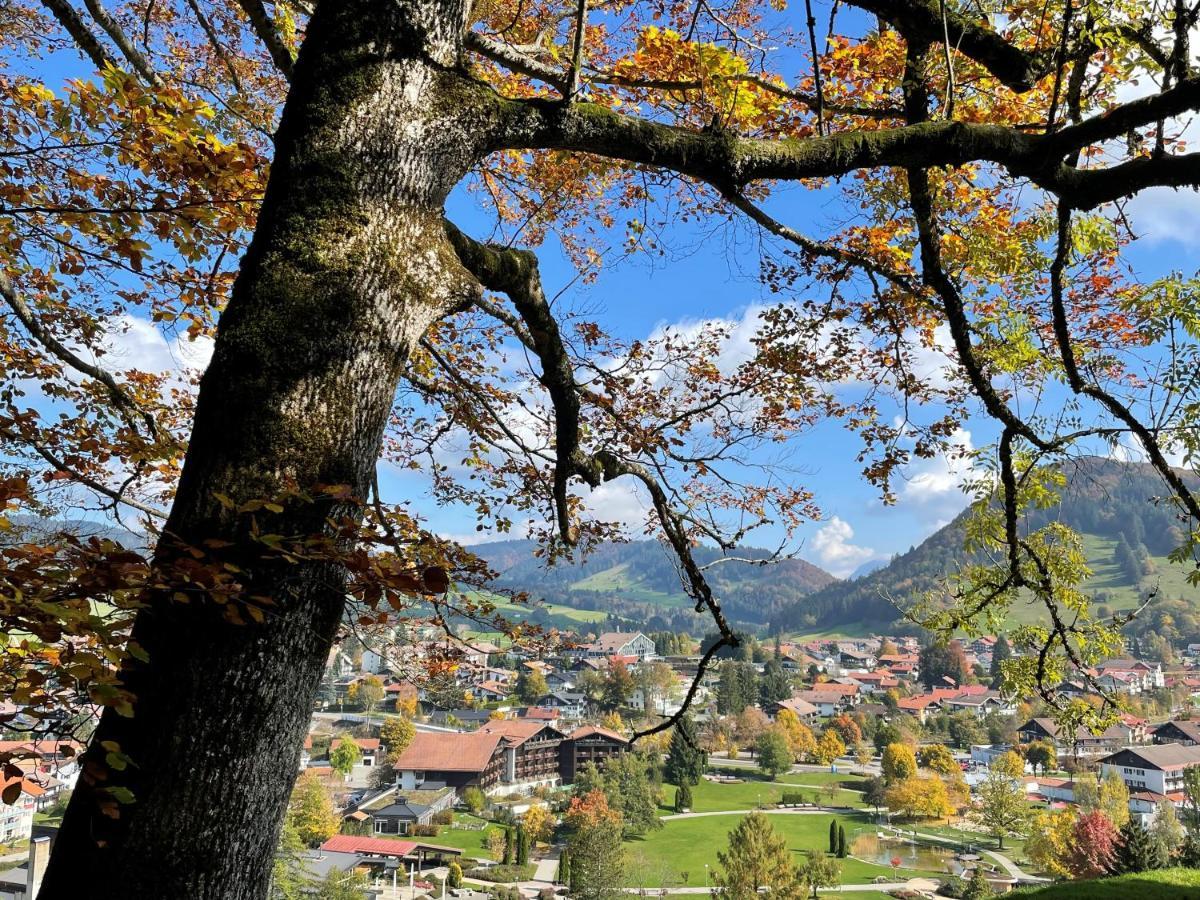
(502, 873)
(474, 800)
(424, 830)
(445, 817)
(792, 798)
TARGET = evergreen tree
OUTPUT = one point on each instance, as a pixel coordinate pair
(833, 836)
(1136, 850)
(683, 798)
(774, 684)
(729, 691)
(564, 867)
(522, 854)
(510, 848)
(842, 852)
(455, 875)
(977, 886)
(758, 856)
(1000, 653)
(685, 760)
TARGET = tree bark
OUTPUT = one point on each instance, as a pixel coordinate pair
(348, 267)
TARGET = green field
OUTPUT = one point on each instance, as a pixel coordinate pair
(709, 796)
(469, 840)
(522, 610)
(660, 858)
(1167, 884)
(617, 579)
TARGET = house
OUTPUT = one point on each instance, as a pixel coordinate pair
(589, 744)
(805, 711)
(829, 702)
(982, 645)
(876, 681)
(394, 811)
(352, 851)
(464, 718)
(857, 659)
(16, 818)
(457, 759)
(981, 705)
(489, 691)
(1158, 768)
(530, 750)
(1182, 731)
(568, 705)
(1135, 675)
(621, 643)
(1084, 744)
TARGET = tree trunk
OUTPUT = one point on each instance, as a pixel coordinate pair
(348, 267)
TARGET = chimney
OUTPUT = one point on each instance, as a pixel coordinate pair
(39, 856)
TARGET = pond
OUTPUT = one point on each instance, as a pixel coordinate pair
(873, 847)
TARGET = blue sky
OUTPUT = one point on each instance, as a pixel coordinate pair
(717, 279)
(636, 296)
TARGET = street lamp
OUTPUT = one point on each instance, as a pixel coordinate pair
(706, 877)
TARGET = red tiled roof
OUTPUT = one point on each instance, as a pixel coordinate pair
(830, 687)
(355, 843)
(449, 752)
(540, 712)
(517, 730)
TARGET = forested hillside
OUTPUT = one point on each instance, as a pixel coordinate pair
(638, 582)
(1127, 535)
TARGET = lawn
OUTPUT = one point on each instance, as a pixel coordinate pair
(1167, 884)
(469, 840)
(711, 796)
(660, 858)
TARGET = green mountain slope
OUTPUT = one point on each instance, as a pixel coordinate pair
(1126, 535)
(637, 581)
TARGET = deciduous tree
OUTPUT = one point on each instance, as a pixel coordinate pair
(597, 851)
(311, 811)
(898, 762)
(1001, 809)
(774, 755)
(1093, 845)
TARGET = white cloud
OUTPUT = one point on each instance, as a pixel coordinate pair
(137, 344)
(1165, 215)
(933, 487)
(832, 548)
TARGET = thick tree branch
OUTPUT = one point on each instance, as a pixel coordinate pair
(260, 21)
(921, 22)
(79, 32)
(130, 52)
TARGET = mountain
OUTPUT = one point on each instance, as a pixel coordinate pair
(871, 565)
(638, 581)
(1126, 536)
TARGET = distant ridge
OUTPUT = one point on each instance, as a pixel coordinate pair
(1110, 503)
(638, 581)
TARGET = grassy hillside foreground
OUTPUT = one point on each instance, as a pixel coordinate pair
(1167, 884)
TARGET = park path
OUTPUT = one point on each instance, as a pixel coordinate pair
(547, 867)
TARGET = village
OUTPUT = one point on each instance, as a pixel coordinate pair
(901, 769)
